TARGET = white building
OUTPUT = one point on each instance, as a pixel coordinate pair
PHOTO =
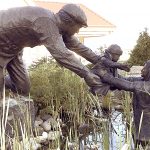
(97, 25)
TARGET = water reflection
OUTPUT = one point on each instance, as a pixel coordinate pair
(118, 133)
(113, 136)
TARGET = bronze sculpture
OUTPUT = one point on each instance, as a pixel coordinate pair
(31, 26)
(108, 62)
(140, 86)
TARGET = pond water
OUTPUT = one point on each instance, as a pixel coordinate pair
(116, 134)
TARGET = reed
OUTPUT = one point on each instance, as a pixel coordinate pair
(58, 90)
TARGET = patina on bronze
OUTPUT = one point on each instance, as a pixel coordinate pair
(140, 86)
(108, 62)
(31, 26)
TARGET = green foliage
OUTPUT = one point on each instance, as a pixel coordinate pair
(57, 87)
(101, 50)
(141, 51)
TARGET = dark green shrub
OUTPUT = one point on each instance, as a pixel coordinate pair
(56, 87)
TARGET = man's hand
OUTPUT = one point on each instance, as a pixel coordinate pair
(92, 79)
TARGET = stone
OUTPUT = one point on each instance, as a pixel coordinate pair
(39, 131)
(45, 117)
(54, 135)
(30, 144)
(18, 115)
(38, 121)
(73, 146)
(46, 126)
(50, 124)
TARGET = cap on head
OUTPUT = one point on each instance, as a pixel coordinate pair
(115, 49)
(76, 13)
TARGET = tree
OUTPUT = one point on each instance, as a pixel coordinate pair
(141, 51)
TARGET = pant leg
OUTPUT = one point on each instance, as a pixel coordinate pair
(17, 79)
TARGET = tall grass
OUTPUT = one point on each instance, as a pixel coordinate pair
(62, 89)
(59, 90)
(12, 141)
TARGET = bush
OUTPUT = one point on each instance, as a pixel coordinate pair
(56, 87)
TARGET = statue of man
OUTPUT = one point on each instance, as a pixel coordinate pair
(31, 26)
(140, 86)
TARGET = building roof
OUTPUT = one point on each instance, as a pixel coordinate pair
(93, 18)
(97, 25)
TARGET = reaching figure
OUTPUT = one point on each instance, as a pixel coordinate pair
(140, 86)
(31, 26)
(108, 63)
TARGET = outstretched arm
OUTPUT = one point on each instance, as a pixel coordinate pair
(111, 64)
(128, 84)
(73, 44)
(117, 82)
(53, 41)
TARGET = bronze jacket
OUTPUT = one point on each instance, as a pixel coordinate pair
(141, 102)
(106, 64)
(31, 26)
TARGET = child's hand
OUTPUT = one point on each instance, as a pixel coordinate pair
(125, 67)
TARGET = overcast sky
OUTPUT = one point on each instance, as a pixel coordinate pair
(129, 16)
